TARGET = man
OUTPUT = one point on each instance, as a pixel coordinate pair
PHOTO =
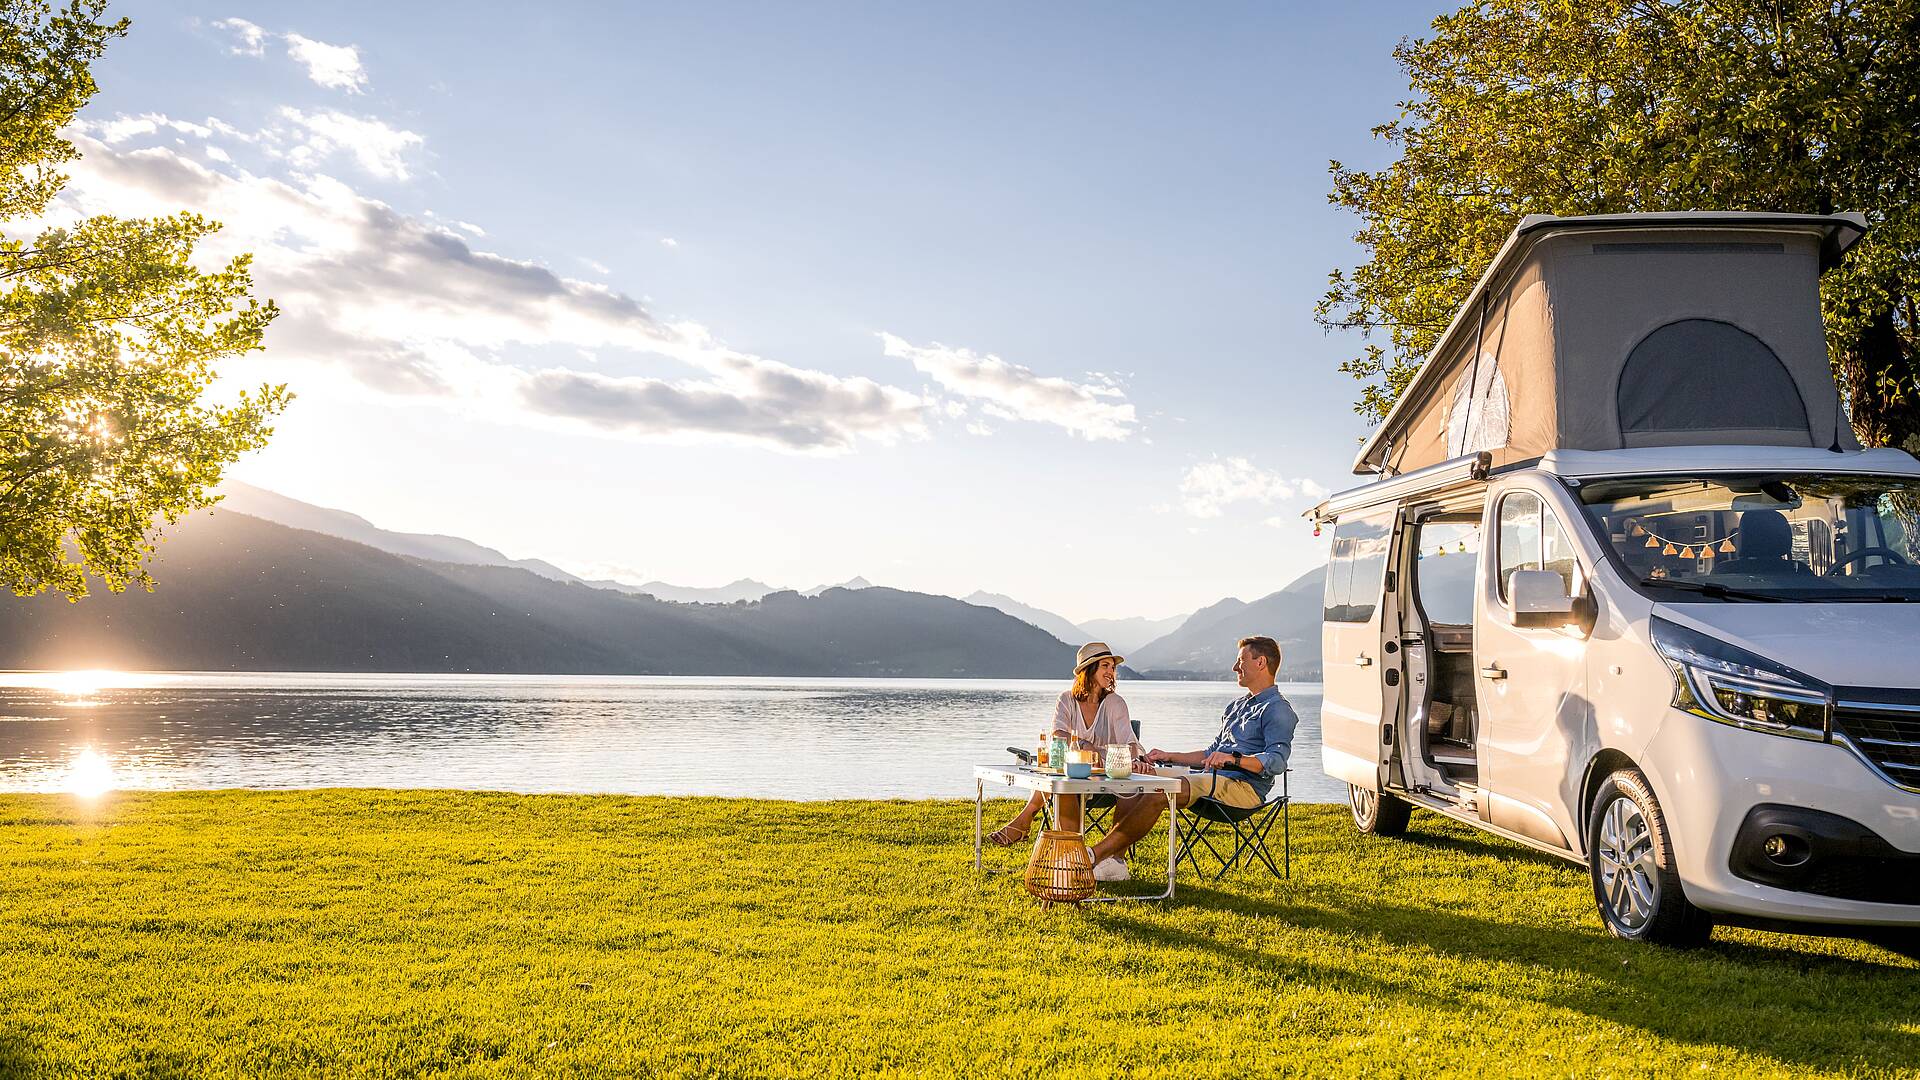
(1256, 735)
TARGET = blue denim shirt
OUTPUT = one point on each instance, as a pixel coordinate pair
(1259, 726)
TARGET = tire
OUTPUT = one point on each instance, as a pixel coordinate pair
(1630, 860)
(1378, 813)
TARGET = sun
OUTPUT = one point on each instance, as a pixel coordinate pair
(83, 683)
(91, 775)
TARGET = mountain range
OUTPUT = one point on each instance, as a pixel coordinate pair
(435, 568)
(1205, 642)
(241, 593)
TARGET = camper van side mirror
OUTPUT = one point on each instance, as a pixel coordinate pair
(1539, 599)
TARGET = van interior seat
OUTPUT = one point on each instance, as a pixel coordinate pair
(1764, 545)
(1451, 712)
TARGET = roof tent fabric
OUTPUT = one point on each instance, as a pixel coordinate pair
(1631, 330)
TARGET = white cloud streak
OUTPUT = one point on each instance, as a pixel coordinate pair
(1011, 392)
(1209, 487)
(376, 146)
(409, 307)
(249, 39)
(336, 67)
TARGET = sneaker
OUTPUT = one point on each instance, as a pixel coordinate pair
(1112, 870)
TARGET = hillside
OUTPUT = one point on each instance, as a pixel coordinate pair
(1205, 643)
(1058, 625)
(271, 506)
(240, 593)
(1130, 635)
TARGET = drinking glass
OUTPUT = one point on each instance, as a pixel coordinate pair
(1119, 761)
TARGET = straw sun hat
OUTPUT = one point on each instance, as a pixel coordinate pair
(1092, 653)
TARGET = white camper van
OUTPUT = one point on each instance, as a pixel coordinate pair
(1626, 590)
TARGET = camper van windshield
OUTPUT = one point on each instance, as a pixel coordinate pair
(1760, 538)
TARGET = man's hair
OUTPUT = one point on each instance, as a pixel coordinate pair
(1267, 648)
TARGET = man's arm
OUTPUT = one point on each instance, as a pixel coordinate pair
(1276, 737)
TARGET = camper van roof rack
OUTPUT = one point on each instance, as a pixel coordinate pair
(1460, 470)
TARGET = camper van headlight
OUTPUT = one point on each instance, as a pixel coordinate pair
(1730, 685)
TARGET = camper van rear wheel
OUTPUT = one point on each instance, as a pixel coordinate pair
(1378, 813)
(1630, 859)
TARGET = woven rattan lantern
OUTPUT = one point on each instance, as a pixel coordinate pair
(1061, 870)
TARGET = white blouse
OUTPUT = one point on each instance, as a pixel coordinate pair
(1111, 724)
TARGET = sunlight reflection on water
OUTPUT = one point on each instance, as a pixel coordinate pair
(775, 738)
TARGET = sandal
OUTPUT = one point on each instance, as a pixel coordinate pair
(1007, 835)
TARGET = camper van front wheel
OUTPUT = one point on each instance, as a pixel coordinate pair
(1630, 858)
(1377, 813)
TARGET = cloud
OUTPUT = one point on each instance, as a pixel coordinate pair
(668, 241)
(1210, 487)
(407, 306)
(249, 39)
(378, 148)
(1011, 392)
(336, 67)
(797, 410)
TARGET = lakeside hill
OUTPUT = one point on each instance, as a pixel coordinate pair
(240, 593)
(1204, 645)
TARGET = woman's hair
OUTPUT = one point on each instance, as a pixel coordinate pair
(1083, 685)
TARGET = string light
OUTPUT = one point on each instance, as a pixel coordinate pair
(1687, 550)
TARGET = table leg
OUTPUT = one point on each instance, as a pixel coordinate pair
(979, 801)
(1173, 843)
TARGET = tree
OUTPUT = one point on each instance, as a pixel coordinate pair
(110, 339)
(1608, 106)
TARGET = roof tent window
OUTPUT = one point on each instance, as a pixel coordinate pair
(1478, 419)
(1700, 375)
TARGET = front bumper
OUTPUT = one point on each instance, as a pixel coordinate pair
(1714, 780)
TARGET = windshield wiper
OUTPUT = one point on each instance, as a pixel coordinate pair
(1868, 598)
(1713, 589)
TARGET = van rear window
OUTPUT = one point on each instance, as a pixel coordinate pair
(1356, 567)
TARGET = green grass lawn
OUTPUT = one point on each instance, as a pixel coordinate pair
(401, 933)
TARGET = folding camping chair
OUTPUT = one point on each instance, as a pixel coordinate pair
(1201, 820)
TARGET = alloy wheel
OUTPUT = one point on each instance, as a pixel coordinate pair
(1365, 804)
(1629, 876)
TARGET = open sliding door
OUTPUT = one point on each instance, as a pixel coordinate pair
(1355, 717)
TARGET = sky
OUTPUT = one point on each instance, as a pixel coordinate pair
(953, 297)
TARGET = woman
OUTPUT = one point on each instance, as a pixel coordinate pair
(1089, 713)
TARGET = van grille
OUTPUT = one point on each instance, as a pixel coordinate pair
(1887, 733)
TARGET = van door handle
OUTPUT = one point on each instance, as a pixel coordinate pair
(1363, 660)
(1494, 672)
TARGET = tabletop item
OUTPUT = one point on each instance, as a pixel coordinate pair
(1057, 752)
(1080, 763)
(1061, 870)
(1119, 761)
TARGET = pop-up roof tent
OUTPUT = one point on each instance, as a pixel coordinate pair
(1596, 333)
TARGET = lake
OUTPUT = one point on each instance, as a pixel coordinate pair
(760, 737)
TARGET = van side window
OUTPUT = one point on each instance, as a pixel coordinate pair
(1356, 568)
(1531, 539)
(1445, 557)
